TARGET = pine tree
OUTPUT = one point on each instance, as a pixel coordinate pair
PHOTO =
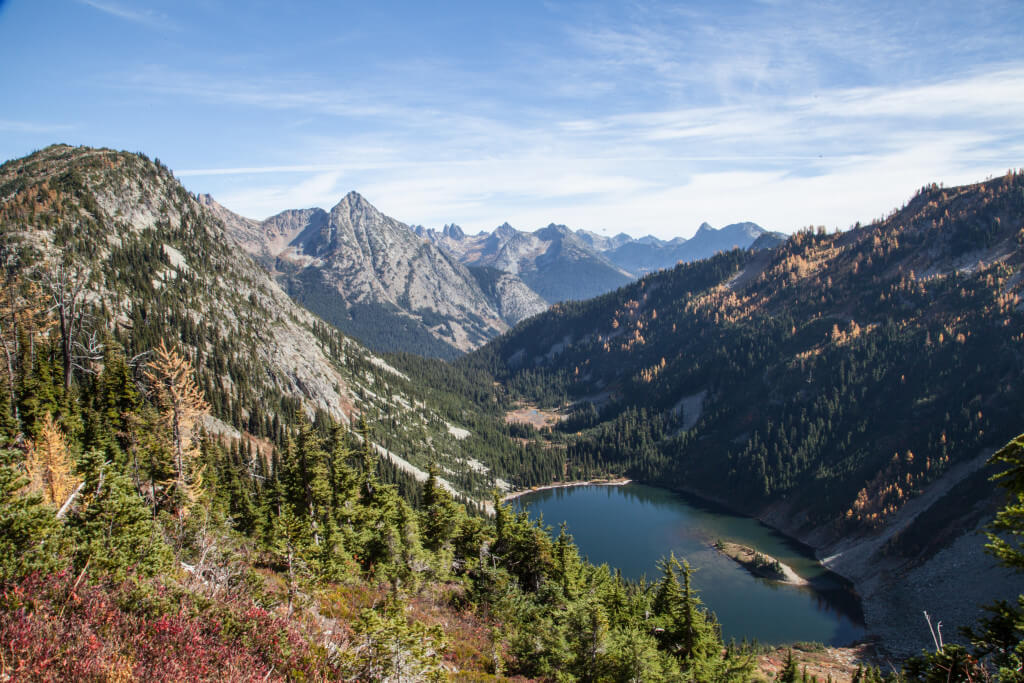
(440, 515)
(688, 631)
(30, 537)
(394, 649)
(367, 462)
(1001, 635)
(116, 394)
(288, 544)
(790, 671)
(634, 657)
(588, 633)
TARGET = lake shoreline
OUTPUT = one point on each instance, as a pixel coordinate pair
(622, 481)
(661, 518)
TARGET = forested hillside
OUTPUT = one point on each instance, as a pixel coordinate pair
(128, 258)
(837, 375)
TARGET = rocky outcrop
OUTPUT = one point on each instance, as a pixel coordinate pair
(159, 258)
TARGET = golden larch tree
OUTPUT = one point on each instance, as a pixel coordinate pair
(48, 464)
(181, 403)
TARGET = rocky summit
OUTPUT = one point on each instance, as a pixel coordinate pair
(374, 278)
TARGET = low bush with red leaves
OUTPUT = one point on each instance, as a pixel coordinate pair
(54, 628)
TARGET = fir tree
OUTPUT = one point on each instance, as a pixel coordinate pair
(790, 671)
(29, 534)
(113, 530)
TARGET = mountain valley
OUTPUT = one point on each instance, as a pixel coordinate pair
(848, 388)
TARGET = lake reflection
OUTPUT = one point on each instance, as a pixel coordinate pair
(631, 527)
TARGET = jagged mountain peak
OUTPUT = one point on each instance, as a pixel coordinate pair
(354, 198)
(556, 231)
(355, 205)
(453, 231)
(505, 230)
(381, 280)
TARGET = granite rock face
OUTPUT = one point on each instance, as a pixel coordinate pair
(375, 278)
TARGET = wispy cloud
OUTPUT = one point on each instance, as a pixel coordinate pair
(34, 127)
(148, 18)
(834, 158)
(646, 116)
(297, 92)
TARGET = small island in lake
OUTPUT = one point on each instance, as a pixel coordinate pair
(759, 564)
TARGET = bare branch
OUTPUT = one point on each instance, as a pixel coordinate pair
(71, 499)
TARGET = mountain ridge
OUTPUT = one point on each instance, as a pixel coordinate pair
(372, 277)
(826, 386)
(160, 265)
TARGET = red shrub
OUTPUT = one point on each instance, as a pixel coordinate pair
(53, 630)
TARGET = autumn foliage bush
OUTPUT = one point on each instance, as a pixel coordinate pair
(57, 628)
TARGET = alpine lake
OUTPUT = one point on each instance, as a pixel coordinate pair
(630, 527)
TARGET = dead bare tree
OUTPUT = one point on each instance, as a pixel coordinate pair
(88, 352)
(65, 286)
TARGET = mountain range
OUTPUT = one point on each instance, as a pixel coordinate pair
(562, 265)
(398, 288)
(376, 280)
(154, 262)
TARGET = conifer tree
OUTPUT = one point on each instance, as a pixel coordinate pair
(367, 462)
(440, 516)
(116, 394)
(1001, 634)
(181, 402)
(789, 671)
(288, 544)
(392, 648)
(29, 533)
(36, 391)
(113, 530)
(49, 465)
(635, 658)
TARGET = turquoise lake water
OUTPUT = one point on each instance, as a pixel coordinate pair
(631, 527)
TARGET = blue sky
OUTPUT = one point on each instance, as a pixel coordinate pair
(636, 117)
